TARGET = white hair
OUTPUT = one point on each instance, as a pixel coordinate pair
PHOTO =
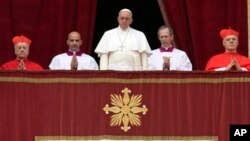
(126, 10)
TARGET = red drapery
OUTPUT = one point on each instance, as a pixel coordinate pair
(197, 24)
(67, 103)
(47, 23)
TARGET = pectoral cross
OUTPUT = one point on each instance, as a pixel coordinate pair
(122, 48)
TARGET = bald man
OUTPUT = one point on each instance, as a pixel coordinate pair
(73, 59)
(123, 48)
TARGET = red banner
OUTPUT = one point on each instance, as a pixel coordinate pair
(122, 104)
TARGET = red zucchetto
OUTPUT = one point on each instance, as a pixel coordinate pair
(226, 32)
(21, 38)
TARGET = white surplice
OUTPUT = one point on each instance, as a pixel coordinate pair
(63, 62)
(123, 50)
(178, 60)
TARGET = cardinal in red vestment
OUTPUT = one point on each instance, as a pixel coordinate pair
(21, 47)
(230, 59)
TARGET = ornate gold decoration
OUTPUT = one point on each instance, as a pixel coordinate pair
(125, 110)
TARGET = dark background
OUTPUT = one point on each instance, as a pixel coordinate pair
(196, 24)
(146, 18)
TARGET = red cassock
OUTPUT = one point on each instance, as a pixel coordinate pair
(13, 65)
(223, 59)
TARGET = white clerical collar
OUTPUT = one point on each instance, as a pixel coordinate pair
(121, 30)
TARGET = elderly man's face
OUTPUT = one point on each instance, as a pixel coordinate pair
(230, 43)
(21, 50)
(124, 19)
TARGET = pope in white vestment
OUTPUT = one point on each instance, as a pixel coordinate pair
(123, 48)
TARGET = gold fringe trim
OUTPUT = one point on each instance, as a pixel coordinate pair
(131, 138)
(126, 81)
